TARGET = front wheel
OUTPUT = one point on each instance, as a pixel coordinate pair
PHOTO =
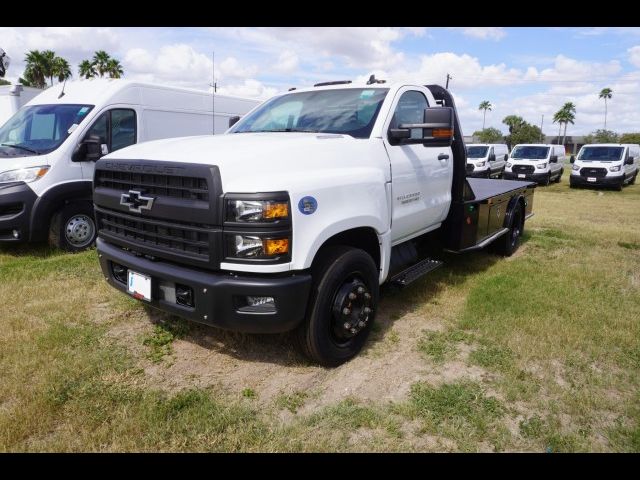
(73, 228)
(342, 307)
(547, 180)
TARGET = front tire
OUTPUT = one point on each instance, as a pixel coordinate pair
(559, 177)
(73, 227)
(547, 180)
(342, 306)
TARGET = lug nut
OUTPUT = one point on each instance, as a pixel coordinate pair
(367, 296)
(353, 330)
(367, 310)
(360, 290)
(346, 311)
(352, 296)
(346, 326)
(361, 324)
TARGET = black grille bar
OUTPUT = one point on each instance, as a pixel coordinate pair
(593, 172)
(523, 168)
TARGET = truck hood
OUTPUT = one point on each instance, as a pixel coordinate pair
(15, 163)
(254, 162)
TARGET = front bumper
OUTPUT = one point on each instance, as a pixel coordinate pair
(533, 177)
(608, 181)
(216, 294)
(16, 203)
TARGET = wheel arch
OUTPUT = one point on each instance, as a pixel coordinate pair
(363, 238)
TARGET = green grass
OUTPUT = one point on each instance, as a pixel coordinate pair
(538, 352)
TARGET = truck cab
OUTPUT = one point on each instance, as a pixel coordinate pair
(541, 163)
(48, 149)
(294, 218)
(486, 160)
(605, 165)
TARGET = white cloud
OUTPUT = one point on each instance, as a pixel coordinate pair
(634, 55)
(232, 68)
(249, 88)
(287, 62)
(485, 33)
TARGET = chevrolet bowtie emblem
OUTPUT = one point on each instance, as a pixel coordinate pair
(136, 202)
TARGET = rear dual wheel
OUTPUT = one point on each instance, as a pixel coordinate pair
(508, 243)
(342, 306)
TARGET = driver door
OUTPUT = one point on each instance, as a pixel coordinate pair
(420, 176)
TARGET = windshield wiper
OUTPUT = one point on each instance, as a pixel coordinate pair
(286, 130)
(21, 147)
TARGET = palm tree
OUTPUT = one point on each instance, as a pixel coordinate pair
(569, 116)
(114, 68)
(60, 69)
(34, 72)
(101, 62)
(484, 105)
(605, 93)
(86, 70)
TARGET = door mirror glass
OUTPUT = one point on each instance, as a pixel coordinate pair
(572, 159)
(436, 127)
(492, 157)
(629, 161)
(233, 120)
(553, 159)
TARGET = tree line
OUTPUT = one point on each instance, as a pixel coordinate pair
(520, 131)
(43, 67)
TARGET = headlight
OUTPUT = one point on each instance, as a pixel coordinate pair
(257, 247)
(615, 168)
(541, 165)
(509, 164)
(480, 164)
(24, 174)
(575, 167)
(257, 211)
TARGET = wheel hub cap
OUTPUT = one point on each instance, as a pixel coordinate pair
(79, 230)
(351, 309)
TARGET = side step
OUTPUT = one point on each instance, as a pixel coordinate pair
(414, 272)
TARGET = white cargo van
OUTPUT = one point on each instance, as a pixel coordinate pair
(541, 163)
(606, 165)
(13, 97)
(48, 149)
(486, 160)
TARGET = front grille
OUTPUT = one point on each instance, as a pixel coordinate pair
(158, 237)
(192, 188)
(523, 169)
(470, 168)
(593, 172)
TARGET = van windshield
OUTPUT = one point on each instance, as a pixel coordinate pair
(593, 154)
(351, 111)
(531, 153)
(477, 152)
(40, 129)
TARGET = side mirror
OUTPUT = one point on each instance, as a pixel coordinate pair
(629, 161)
(553, 159)
(572, 159)
(233, 120)
(506, 157)
(87, 150)
(437, 129)
(492, 157)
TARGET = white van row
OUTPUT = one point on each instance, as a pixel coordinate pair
(609, 165)
(49, 147)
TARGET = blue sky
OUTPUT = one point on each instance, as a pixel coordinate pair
(525, 71)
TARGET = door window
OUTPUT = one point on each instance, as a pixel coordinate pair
(410, 109)
(115, 128)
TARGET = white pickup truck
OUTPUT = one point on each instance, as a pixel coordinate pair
(295, 216)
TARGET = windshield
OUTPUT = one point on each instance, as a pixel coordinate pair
(531, 153)
(40, 129)
(350, 111)
(590, 154)
(477, 152)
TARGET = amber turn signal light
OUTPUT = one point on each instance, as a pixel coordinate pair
(278, 246)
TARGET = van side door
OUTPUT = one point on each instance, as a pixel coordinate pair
(113, 129)
(420, 176)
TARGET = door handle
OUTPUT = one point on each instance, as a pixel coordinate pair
(443, 156)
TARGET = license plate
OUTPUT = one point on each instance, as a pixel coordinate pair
(591, 179)
(139, 286)
(521, 175)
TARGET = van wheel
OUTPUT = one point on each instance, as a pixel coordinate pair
(508, 243)
(342, 307)
(633, 179)
(618, 187)
(73, 228)
(559, 177)
(547, 180)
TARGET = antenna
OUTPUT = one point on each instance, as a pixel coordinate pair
(63, 85)
(449, 77)
(213, 92)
